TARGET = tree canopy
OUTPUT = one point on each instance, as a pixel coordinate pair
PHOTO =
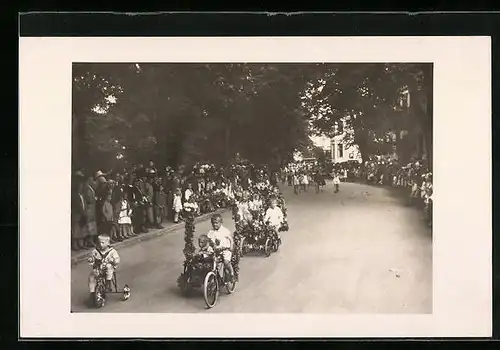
(183, 113)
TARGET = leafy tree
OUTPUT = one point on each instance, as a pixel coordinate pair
(367, 97)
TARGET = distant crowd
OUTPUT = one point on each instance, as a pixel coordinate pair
(414, 178)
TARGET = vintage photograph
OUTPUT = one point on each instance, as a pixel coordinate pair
(252, 188)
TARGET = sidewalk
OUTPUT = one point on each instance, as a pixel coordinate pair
(77, 257)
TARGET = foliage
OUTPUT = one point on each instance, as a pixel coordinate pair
(367, 98)
(183, 113)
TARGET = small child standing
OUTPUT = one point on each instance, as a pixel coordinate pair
(177, 204)
(104, 259)
(124, 217)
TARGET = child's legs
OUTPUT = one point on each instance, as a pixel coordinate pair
(92, 282)
(277, 231)
(112, 230)
(227, 255)
(150, 215)
(176, 216)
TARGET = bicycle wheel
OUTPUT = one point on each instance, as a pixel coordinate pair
(126, 292)
(211, 289)
(276, 245)
(230, 286)
(267, 248)
(100, 295)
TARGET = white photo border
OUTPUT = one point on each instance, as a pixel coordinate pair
(462, 231)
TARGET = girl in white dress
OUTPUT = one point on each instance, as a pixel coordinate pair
(124, 217)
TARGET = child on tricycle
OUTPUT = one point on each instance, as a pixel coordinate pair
(104, 260)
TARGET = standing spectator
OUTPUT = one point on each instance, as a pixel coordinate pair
(124, 219)
(304, 182)
(152, 167)
(317, 181)
(149, 202)
(77, 212)
(158, 202)
(138, 210)
(161, 204)
(107, 217)
(177, 204)
(89, 195)
(296, 183)
(336, 181)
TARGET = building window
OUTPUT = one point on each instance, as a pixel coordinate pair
(341, 150)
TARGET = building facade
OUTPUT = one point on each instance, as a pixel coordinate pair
(342, 152)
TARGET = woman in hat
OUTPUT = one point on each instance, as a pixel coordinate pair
(77, 212)
(90, 198)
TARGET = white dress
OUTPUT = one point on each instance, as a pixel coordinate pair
(124, 216)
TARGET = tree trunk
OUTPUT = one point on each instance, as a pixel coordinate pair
(429, 90)
(81, 147)
(227, 143)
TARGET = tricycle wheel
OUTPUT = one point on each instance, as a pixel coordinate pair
(211, 289)
(99, 295)
(267, 248)
(126, 292)
(276, 245)
(231, 285)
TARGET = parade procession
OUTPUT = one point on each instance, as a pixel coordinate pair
(250, 193)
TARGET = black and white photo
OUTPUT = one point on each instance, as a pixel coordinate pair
(303, 186)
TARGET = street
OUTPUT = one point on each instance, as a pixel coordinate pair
(357, 251)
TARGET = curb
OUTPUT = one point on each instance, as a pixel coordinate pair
(78, 258)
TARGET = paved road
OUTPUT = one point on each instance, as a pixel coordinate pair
(357, 251)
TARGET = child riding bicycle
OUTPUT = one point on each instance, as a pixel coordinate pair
(274, 216)
(221, 239)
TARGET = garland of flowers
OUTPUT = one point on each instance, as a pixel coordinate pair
(235, 259)
(189, 248)
(282, 205)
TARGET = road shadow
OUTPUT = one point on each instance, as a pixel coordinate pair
(253, 254)
(191, 294)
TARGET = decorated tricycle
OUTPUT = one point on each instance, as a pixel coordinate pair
(101, 292)
(259, 237)
(207, 272)
(207, 268)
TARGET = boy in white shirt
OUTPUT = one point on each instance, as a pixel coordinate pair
(221, 238)
(274, 216)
